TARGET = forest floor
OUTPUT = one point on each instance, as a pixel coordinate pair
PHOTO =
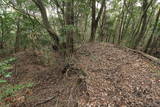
(98, 74)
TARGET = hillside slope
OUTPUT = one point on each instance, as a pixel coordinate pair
(97, 74)
(118, 77)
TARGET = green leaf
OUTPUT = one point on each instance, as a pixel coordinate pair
(3, 81)
(8, 75)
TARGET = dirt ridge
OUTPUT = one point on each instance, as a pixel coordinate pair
(110, 76)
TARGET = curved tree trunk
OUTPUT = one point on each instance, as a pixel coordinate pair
(46, 23)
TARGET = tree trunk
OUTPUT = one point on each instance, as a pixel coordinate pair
(46, 23)
(103, 27)
(152, 34)
(70, 24)
(2, 34)
(93, 24)
(143, 22)
(95, 20)
(121, 25)
(16, 47)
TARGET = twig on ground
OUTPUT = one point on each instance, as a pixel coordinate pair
(46, 100)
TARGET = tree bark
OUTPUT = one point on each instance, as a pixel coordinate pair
(152, 34)
(45, 20)
(95, 19)
(70, 24)
(143, 25)
(16, 47)
(121, 24)
(103, 28)
(2, 34)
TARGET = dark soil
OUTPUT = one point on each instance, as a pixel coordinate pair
(97, 75)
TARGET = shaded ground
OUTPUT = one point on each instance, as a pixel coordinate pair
(98, 74)
(118, 77)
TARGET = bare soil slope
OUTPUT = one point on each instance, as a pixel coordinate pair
(98, 74)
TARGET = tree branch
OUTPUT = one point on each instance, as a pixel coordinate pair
(58, 5)
(45, 20)
(101, 10)
(11, 4)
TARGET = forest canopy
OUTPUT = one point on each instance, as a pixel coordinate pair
(63, 24)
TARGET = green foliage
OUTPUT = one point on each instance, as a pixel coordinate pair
(3, 81)
(10, 90)
(123, 19)
(63, 31)
(4, 66)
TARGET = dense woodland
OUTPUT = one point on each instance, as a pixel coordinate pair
(63, 24)
(79, 53)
